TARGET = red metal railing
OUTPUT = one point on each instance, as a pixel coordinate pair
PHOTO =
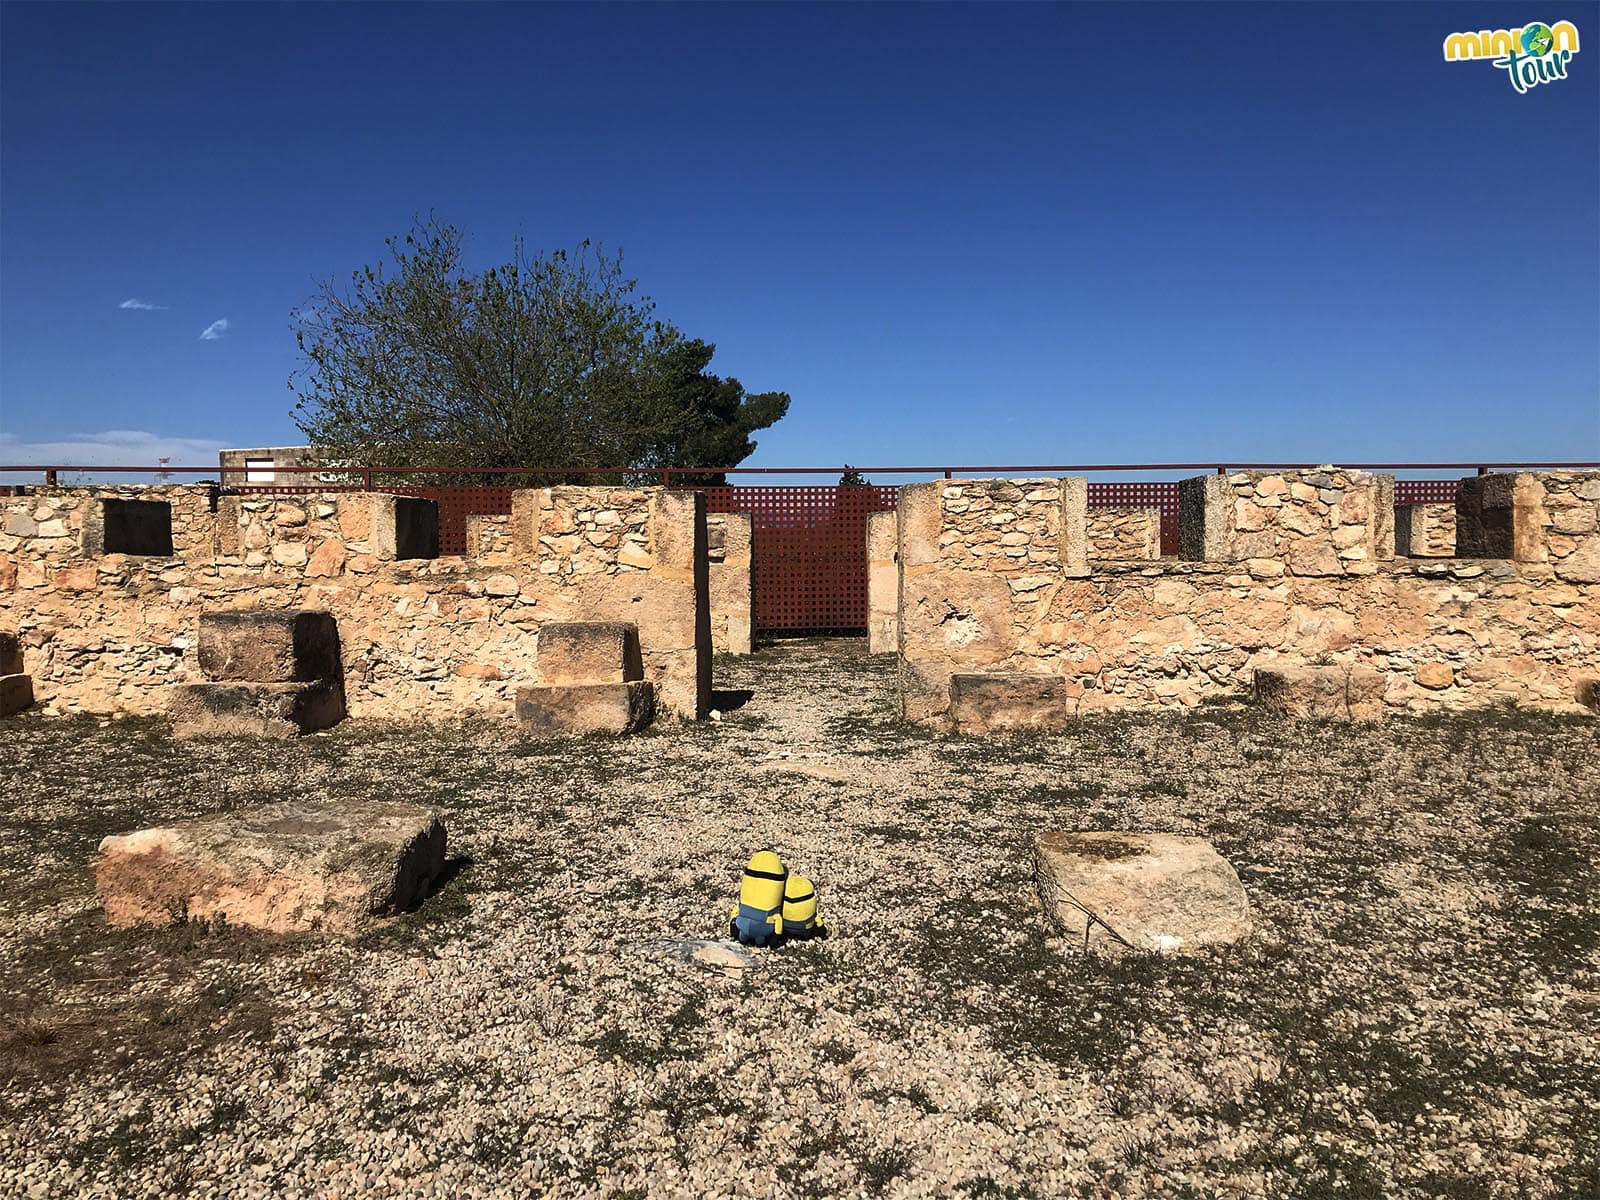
(665, 475)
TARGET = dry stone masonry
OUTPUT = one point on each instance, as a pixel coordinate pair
(110, 625)
(1425, 530)
(1533, 518)
(1123, 534)
(1292, 573)
(1323, 522)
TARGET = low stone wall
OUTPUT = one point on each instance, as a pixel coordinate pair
(1546, 517)
(1313, 522)
(1425, 530)
(1123, 534)
(1306, 576)
(883, 584)
(728, 548)
(105, 630)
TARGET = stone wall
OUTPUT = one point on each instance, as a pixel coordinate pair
(883, 584)
(1533, 518)
(975, 556)
(1310, 579)
(1425, 530)
(1123, 534)
(422, 638)
(1320, 522)
(728, 548)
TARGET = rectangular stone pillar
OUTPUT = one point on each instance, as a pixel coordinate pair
(1205, 519)
(679, 544)
(1074, 522)
(883, 583)
(728, 549)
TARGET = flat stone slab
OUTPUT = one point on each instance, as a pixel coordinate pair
(10, 654)
(269, 647)
(728, 960)
(1337, 693)
(292, 867)
(1116, 892)
(1000, 700)
(589, 652)
(272, 710)
(580, 708)
(16, 693)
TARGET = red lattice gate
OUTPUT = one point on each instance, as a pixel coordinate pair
(808, 549)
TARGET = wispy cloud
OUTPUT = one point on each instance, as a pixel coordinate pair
(214, 330)
(112, 448)
(142, 305)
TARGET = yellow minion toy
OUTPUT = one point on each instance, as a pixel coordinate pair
(758, 917)
(800, 909)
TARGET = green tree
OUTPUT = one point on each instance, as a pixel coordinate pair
(549, 360)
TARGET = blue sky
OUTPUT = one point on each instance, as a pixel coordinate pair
(978, 234)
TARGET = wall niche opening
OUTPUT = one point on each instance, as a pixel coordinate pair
(142, 527)
(416, 528)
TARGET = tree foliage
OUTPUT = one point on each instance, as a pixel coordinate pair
(551, 360)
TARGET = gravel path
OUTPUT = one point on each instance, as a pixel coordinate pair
(1417, 1016)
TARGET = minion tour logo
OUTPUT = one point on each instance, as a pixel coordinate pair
(1532, 55)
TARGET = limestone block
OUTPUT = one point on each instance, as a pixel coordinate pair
(10, 654)
(582, 708)
(1002, 700)
(269, 647)
(920, 515)
(924, 690)
(335, 868)
(272, 710)
(679, 526)
(16, 693)
(1338, 693)
(883, 583)
(1074, 519)
(961, 617)
(1380, 522)
(1205, 518)
(589, 652)
(1484, 516)
(1120, 892)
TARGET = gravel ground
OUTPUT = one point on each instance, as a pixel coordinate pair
(1417, 1015)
